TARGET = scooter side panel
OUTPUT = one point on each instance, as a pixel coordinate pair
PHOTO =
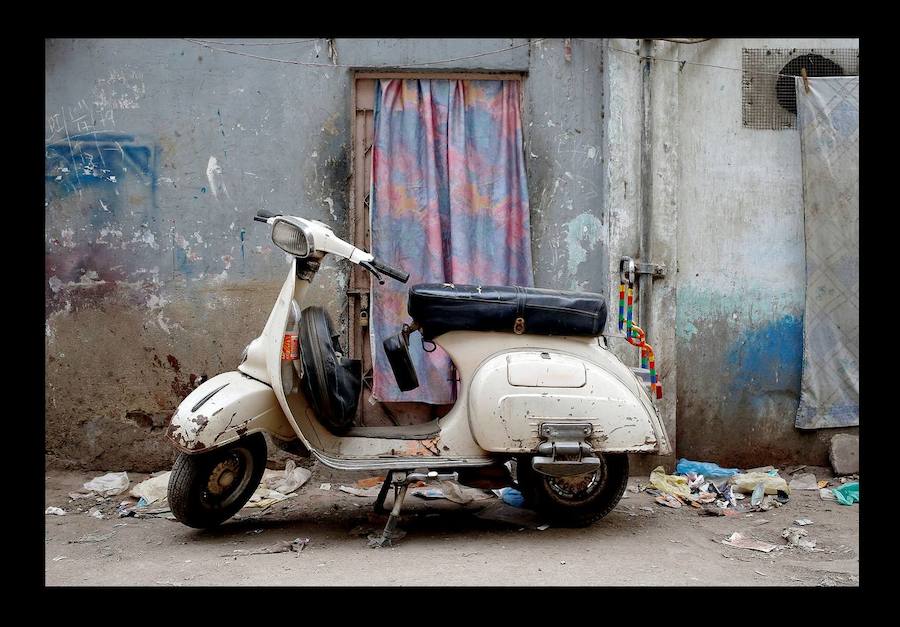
(506, 418)
(223, 409)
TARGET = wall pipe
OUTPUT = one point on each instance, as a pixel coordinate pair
(645, 284)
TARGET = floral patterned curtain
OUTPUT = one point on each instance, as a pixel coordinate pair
(449, 204)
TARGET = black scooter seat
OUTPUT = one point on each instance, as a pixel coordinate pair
(442, 307)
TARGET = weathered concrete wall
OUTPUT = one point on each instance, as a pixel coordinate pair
(156, 273)
(158, 154)
(741, 272)
(564, 151)
(623, 120)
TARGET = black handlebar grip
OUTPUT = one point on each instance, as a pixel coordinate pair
(400, 275)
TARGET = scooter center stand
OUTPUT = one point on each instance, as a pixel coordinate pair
(401, 481)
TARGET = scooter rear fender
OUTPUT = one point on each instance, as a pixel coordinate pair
(225, 408)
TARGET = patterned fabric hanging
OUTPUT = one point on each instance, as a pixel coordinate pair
(449, 204)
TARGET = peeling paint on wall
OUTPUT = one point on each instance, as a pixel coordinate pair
(585, 234)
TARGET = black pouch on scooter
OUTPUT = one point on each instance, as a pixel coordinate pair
(331, 382)
(443, 307)
(396, 347)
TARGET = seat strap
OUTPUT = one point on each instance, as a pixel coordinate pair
(521, 296)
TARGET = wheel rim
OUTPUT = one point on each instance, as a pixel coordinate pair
(578, 487)
(228, 478)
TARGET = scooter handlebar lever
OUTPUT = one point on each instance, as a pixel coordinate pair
(399, 275)
(368, 265)
(263, 215)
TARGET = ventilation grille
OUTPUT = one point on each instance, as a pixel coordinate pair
(769, 100)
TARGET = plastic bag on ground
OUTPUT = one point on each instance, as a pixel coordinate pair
(707, 469)
(109, 484)
(289, 481)
(461, 494)
(746, 483)
(513, 497)
(847, 494)
(758, 492)
(153, 489)
(669, 484)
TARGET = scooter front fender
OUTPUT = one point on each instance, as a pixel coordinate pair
(225, 408)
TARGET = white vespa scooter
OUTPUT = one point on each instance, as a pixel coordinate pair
(537, 385)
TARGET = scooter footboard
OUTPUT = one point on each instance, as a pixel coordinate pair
(223, 409)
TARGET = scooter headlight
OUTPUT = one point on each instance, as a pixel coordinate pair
(291, 238)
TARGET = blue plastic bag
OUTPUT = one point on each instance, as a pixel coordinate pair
(513, 497)
(707, 469)
(847, 494)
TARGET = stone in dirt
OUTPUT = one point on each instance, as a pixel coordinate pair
(844, 454)
(805, 481)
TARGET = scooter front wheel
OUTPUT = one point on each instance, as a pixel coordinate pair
(207, 489)
(575, 501)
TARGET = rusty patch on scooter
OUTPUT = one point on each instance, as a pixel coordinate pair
(423, 448)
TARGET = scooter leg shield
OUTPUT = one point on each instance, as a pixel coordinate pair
(225, 408)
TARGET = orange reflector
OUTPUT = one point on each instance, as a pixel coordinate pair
(290, 347)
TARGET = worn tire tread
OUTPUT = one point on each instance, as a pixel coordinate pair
(534, 490)
(183, 495)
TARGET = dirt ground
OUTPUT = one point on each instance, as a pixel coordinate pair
(639, 543)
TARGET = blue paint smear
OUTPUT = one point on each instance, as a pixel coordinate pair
(769, 358)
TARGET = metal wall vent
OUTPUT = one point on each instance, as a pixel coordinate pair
(769, 100)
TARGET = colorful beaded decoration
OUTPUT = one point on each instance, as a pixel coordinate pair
(636, 336)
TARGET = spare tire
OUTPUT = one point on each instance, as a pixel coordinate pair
(330, 381)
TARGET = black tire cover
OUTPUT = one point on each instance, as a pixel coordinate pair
(331, 383)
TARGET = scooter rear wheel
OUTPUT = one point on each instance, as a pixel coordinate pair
(206, 489)
(575, 501)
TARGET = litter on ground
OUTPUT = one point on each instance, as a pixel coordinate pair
(290, 480)
(740, 541)
(668, 501)
(846, 494)
(707, 469)
(153, 489)
(110, 484)
(747, 482)
(669, 484)
(798, 537)
(806, 481)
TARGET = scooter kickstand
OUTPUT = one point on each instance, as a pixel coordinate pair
(389, 532)
(382, 494)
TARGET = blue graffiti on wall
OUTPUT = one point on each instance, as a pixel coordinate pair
(101, 185)
(98, 160)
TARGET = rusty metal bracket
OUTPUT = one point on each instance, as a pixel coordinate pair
(656, 270)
